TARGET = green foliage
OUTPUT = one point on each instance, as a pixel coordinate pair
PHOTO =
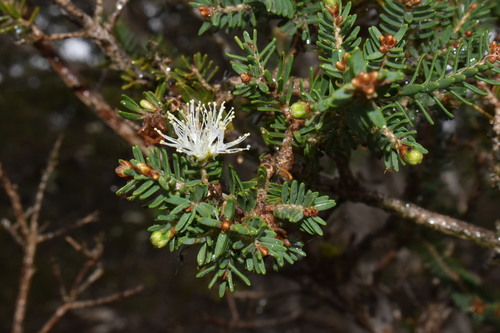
(373, 91)
(238, 232)
(13, 17)
(227, 14)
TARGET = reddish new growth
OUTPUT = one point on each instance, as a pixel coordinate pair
(334, 11)
(263, 250)
(311, 211)
(124, 165)
(143, 168)
(226, 225)
(388, 42)
(494, 52)
(366, 82)
(148, 132)
(409, 4)
(342, 65)
(206, 12)
(147, 170)
(245, 77)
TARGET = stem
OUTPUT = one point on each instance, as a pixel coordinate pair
(442, 223)
(27, 273)
(204, 176)
(349, 188)
(91, 98)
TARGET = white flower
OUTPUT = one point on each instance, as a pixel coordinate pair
(200, 132)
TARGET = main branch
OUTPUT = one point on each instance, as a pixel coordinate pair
(349, 188)
(90, 97)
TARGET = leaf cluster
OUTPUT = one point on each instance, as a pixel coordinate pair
(238, 232)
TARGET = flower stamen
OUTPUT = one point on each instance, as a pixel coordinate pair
(200, 132)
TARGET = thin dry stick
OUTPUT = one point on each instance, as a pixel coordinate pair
(119, 7)
(92, 28)
(29, 244)
(83, 280)
(28, 239)
(28, 233)
(64, 308)
(90, 97)
(64, 230)
(15, 201)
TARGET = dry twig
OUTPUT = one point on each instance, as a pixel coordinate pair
(89, 273)
(28, 234)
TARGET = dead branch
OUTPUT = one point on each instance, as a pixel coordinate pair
(15, 201)
(90, 97)
(89, 273)
(93, 28)
(119, 7)
(30, 235)
(93, 217)
(40, 193)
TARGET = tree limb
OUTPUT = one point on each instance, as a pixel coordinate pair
(90, 97)
(348, 187)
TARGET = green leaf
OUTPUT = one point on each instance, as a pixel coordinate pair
(239, 274)
(377, 117)
(130, 104)
(222, 244)
(130, 116)
(202, 255)
(230, 208)
(356, 62)
(184, 221)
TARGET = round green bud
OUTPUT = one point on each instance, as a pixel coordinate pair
(159, 239)
(413, 157)
(299, 110)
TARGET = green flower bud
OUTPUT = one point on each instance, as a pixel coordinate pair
(147, 105)
(413, 157)
(299, 110)
(159, 239)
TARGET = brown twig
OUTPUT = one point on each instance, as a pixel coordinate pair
(28, 234)
(93, 217)
(40, 193)
(65, 307)
(15, 200)
(495, 103)
(30, 237)
(119, 6)
(89, 273)
(349, 188)
(442, 223)
(90, 97)
(93, 28)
